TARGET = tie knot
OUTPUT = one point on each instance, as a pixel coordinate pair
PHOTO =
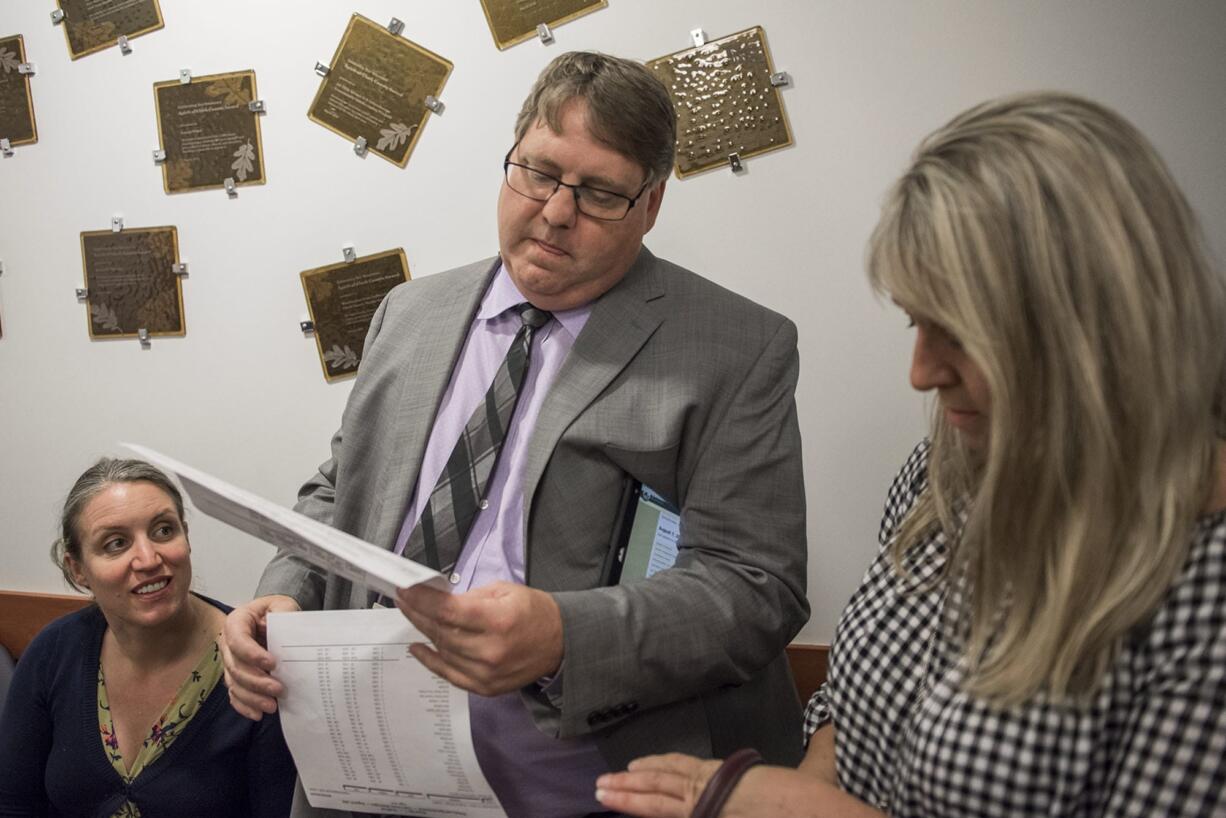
(533, 317)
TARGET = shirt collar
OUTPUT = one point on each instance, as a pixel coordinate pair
(503, 295)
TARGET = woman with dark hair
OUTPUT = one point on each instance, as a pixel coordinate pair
(1044, 630)
(119, 710)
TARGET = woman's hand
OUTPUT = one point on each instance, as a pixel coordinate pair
(664, 786)
(668, 786)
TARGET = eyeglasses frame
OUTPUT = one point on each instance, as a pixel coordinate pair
(574, 189)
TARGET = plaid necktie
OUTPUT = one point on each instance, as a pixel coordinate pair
(460, 490)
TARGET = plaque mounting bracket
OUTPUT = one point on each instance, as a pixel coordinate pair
(698, 37)
(434, 104)
(543, 31)
(57, 17)
(781, 79)
(307, 326)
(116, 223)
(185, 76)
(349, 253)
(322, 70)
(360, 145)
(159, 156)
(179, 268)
(734, 162)
(256, 106)
(231, 188)
(395, 26)
(6, 148)
(27, 68)
(125, 47)
(82, 293)
(142, 335)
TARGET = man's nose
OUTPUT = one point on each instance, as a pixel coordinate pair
(561, 208)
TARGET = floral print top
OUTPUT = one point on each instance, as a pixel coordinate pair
(195, 689)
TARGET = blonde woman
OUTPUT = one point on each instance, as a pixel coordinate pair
(1044, 631)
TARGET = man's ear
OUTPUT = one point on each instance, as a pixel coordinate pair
(654, 197)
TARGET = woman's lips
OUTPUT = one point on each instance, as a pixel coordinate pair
(961, 418)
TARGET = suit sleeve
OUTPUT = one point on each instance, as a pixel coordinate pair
(290, 575)
(736, 595)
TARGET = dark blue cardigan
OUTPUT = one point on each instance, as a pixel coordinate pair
(52, 762)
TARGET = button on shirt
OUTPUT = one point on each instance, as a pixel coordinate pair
(533, 774)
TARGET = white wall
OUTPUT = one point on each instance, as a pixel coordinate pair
(242, 395)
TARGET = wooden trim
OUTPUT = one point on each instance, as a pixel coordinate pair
(809, 663)
(23, 615)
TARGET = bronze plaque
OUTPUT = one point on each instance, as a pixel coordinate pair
(92, 25)
(130, 282)
(513, 21)
(208, 132)
(725, 101)
(377, 89)
(16, 104)
(342, 298)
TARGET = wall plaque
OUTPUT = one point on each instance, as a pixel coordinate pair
(16, 104)
(92, 25)
(513, 21)
(726, 104)
(130, 284)
(376, 87)
(209, 132)
(342, 298)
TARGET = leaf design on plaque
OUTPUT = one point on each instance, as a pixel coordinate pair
(231, 88)
(338, 358)
(104, 317)
(244, 161)
(8, 60)
(392, 138)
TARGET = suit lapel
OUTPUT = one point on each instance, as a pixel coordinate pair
(621, 322)
(442, 321)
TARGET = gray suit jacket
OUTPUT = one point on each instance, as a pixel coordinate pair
(674, 381)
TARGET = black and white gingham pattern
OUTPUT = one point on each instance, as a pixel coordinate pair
(1150, 742)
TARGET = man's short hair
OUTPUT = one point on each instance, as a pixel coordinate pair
(628, 108)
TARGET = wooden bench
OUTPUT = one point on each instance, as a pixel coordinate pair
(23, 615)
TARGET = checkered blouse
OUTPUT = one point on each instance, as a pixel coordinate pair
(1151, 742)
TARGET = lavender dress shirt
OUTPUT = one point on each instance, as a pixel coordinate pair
(534, 775)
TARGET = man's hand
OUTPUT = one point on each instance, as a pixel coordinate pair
(253, 692)
(489, 641)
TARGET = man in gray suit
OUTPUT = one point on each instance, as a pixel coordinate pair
(636, 369)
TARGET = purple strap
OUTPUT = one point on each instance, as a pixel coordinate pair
(720, 787)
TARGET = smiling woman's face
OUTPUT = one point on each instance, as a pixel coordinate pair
(135, 556)
(939, 362)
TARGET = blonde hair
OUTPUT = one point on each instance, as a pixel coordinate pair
(1045, 233)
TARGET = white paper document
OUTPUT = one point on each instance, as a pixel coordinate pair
(318, 544)
(370, 728)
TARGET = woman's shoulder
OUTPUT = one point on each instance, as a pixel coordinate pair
(906, 487)
(1190, 623)
(61, 636)
(221, 606)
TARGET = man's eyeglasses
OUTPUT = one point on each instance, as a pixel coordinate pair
(605, 205)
